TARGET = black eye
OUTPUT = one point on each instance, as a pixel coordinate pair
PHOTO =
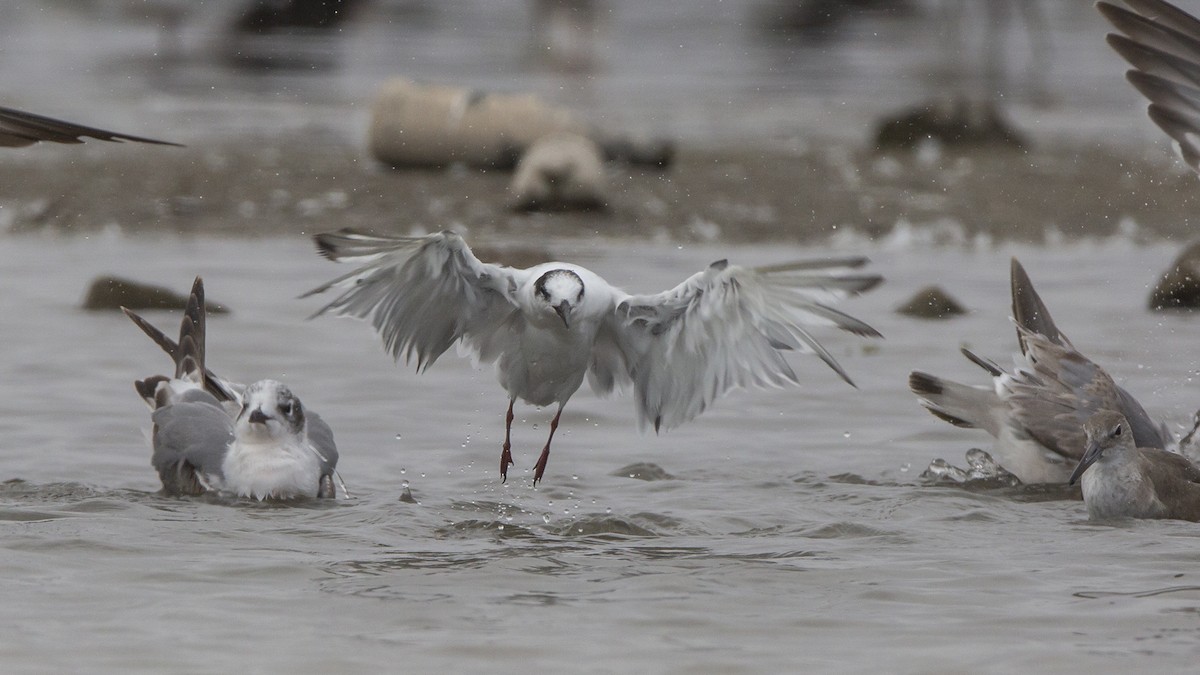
(286, 409)
(1117, 431)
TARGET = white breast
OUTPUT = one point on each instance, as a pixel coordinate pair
(271, 470)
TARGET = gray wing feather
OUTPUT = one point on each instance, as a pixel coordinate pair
(320, 435)
(1162, 43)
(721, 329)
(191, 438)
(1029, 312)
(422, 294)
(19, 128)
(1060, 389)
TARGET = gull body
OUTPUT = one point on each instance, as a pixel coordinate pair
(1036, 412)
(214, 435)
(1121, 480)
(549, 327)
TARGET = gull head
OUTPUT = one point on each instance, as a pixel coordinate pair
(1108, 438)
(559, 291)
(270, 412)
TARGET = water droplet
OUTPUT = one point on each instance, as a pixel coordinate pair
(846, 434)
(500, 526)
(545, 517)
(550, 502)
(535, 426)
(573, 477)
(905, 467)
(608, 510)
(398, 436)
(404, 484)
(403, 471)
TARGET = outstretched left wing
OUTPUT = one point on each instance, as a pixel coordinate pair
(724, 328)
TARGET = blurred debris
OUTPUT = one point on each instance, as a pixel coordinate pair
(647, 471)
(1179, 286)
(113, 293)
(288, 34)
(953, 122)
(561, 171)
(269, 16)
(931, 302)
(512, 256)
(564, 34)
(813, 17)
(433, 126)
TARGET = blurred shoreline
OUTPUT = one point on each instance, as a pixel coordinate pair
(811, 193)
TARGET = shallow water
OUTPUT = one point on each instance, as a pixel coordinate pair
(792, 531)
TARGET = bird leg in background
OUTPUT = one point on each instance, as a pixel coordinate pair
(505, 454)
(540, 467)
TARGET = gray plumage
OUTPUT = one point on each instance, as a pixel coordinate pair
(214, 435)
(1121, 480)
(1162, 43)
(1036, 412)
(19, 128)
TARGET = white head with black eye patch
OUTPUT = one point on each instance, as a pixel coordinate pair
(559, 291)
(270, 410)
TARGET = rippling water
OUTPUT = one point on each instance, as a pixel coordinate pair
(782, 531)
(779, 531)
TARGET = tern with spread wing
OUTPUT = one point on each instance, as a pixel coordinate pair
(550, 326)
(1036, 412)
(214, 435)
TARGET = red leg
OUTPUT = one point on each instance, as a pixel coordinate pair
(540, 467)
(505, 455)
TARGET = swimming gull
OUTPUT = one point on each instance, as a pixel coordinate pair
(19, 128)
(1162, 43)
(214, 435)
(548, 326)
(1036, 412)
(1122, 480)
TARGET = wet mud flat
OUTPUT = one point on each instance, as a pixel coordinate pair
(792, 191)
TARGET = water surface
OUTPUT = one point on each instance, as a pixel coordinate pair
(793, 531)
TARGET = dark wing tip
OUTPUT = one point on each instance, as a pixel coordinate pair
(924, 384)
(324, 244)
(987, 364)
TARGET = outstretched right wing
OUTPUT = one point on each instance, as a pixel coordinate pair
(422, 294)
